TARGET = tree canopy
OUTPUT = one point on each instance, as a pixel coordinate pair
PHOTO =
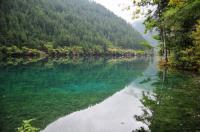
(177, 22)
(41, 24)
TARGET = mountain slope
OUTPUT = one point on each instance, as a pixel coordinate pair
(36, 23)
(140, 27)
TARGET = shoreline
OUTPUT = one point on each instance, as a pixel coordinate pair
(76, 59)
(68, 51)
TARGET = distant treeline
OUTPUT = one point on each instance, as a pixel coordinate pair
(63, 27)
(48, 50)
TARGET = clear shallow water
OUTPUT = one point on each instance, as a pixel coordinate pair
(116, 113)
(49, 89)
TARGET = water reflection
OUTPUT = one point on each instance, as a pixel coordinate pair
(114, 114)
(130, 95)
(174, 103)
(51, 88)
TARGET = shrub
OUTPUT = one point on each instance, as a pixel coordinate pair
(27, 127)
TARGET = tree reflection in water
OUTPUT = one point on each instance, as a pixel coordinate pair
(174, 103)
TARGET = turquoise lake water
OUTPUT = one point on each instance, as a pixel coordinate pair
(51, 88)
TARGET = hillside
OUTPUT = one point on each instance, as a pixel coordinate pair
(50, 24)
(140, 27)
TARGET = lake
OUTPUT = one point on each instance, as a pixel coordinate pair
(95, 94)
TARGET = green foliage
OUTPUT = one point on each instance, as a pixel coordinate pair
(146, 44)
(196, 40)
(54, 24)
(156, 37)
(150, 24)
(174, 106)
(19, 52)
(190, 57)
(178, 3)
(187, 59)
(175, 21)
(185, 42)
(49, 50)
(27, 127)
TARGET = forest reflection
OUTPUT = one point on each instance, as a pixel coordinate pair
(173, 105)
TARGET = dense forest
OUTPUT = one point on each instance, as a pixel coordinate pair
(31, 27)
(178, 24)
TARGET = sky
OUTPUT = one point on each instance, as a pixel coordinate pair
(117, 6)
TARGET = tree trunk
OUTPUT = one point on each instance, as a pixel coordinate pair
(165, 47)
